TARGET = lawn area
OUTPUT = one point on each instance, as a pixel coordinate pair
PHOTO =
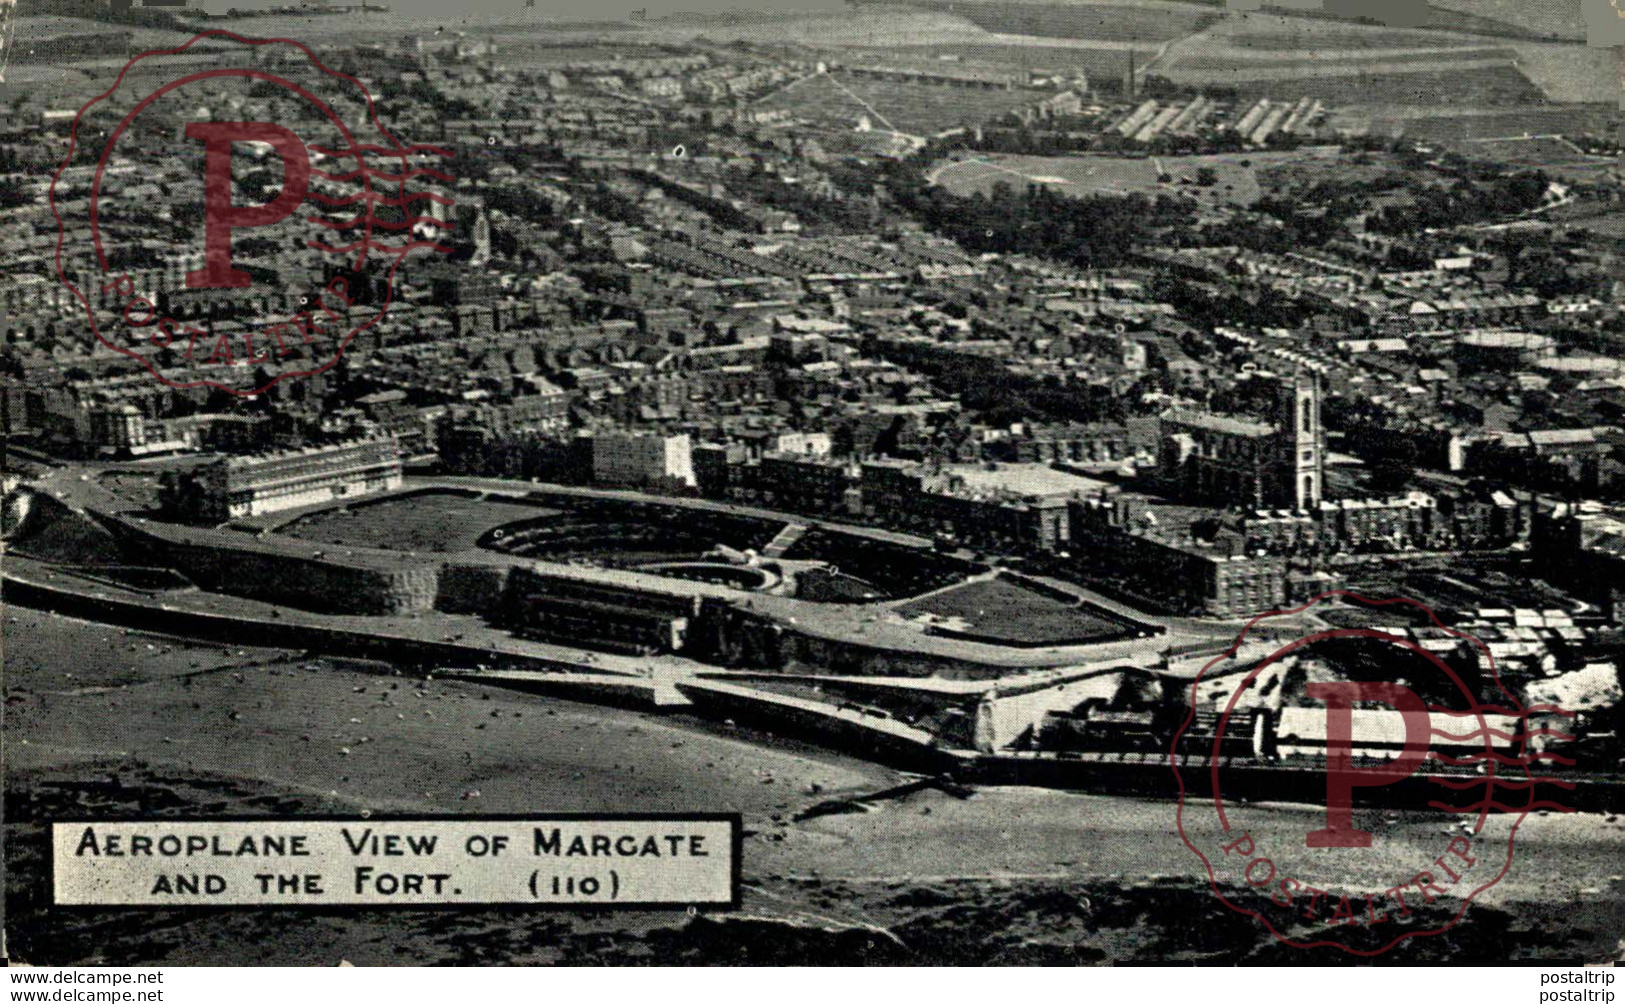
(1005, 612)
(1537, 151)
(432, 521)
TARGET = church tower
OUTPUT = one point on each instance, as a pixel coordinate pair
(1302, 441)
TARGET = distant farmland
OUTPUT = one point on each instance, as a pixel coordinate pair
(1546, 18)
(1477, 17)
(1440, 19)
(1571, 72)
(1517, 19)
(1241, 63)
(1365, 67)
(1480, 86)
(1268, 33)
(1095, 21)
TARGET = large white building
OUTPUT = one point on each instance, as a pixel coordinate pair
(234, 487)
(642, 460)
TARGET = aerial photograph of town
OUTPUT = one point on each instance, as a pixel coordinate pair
(1023, 465)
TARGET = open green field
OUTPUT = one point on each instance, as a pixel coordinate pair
(1602, 224)
(433, 521)
(819, 29)
(541, 51)
(1237, 174)
(1102, 61)
(919, 109)
(1481, 75)
(1009, 613)
(1491, 18)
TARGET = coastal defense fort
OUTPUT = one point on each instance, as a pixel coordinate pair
(870, 640)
